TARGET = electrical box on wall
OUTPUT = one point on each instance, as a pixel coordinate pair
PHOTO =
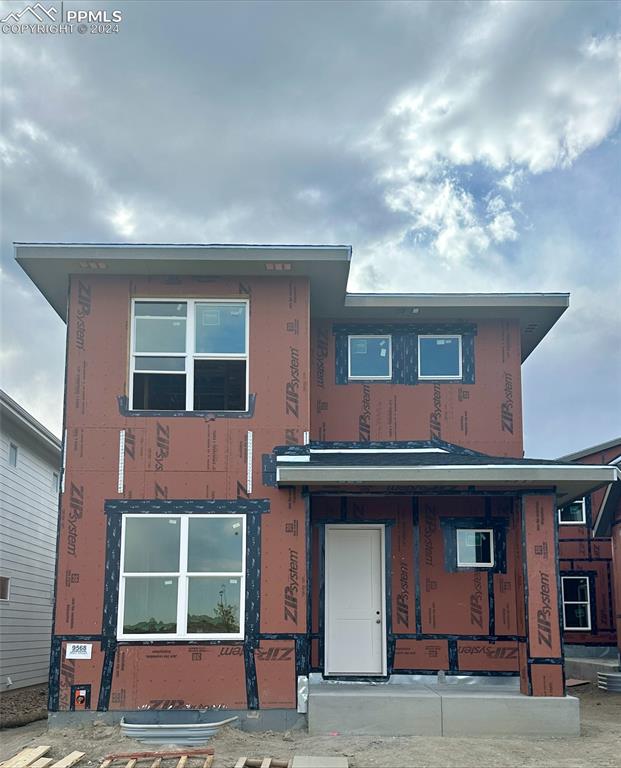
(80, 697)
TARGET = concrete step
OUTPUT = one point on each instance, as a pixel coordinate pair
(389, 710)
(588, 668)
(436, 710)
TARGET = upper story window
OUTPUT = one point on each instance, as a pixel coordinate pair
(182, 576)
(55, 482)
(12, 455)
(439, 357)
(370, 357)
(5, 588)
(573, 514)
(189, 355)
(475, 548)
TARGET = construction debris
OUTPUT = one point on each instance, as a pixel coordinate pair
(32, 757)
(205, 757)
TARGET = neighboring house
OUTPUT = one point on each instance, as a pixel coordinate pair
(590, 574)
(586, 561)
(30, 477)
(270, 480)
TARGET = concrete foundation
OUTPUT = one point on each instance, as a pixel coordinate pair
(257, 720)
(438, 710)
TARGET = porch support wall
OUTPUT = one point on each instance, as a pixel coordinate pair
(541, 662)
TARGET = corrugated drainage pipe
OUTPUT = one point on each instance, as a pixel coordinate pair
(181, 734)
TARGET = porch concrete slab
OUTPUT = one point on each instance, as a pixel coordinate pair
(389, 710)
(488, 713)
(311, 761)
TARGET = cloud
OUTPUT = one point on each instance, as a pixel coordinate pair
(481, 110)
(439, 139)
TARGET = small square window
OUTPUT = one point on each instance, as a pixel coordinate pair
(439, 357)
(475, 548)
(370, 357)
(573, 514)
(12, 455)
(576, 603)
(5, 587)
(55, 482)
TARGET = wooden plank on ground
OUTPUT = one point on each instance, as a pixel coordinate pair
(240, 763)
(26, 757)
(182, 761)
(175, 753)
(105, 764)
(68, 760)
(208, 761)
(156, 763)
(42, 762)
(266, 762)
(131, 763)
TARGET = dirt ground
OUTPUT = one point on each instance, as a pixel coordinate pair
(23, 706)
(599, 745)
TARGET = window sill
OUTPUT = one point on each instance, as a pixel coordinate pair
(177, 638)
(124, 410)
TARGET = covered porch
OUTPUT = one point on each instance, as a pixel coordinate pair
(434, 588)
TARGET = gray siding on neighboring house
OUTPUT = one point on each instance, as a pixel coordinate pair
(28, 521)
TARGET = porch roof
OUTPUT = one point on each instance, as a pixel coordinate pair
(425, 464)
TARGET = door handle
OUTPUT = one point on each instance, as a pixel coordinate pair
(378, 621)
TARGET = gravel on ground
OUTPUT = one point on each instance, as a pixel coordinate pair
(599, 744)
(23, 705)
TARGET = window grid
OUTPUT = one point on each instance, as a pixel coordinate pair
(582, 520)
(350, 338)
(586, 603)
(190, 344)
(433, 377)
(183, 576)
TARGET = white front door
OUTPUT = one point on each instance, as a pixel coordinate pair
(355, 636)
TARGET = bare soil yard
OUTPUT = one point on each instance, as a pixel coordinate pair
(599, 745)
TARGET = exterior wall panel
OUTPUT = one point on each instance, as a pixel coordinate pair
(485, 415)
(179, 457)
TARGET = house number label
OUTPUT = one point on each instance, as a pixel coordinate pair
(79, 651)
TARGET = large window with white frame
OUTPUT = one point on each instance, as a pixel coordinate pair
(576, 603)
(182, 577)
(189, 355)
(439, 357)
(573, 514)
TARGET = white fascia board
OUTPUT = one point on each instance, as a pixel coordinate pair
(451, 475)
(377, 450)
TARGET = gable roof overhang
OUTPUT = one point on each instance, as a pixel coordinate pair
(425, 465)
(610, 508)
(12, 411)
(586, 452)
(49, 266)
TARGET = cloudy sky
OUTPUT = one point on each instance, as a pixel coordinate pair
(456, 146)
